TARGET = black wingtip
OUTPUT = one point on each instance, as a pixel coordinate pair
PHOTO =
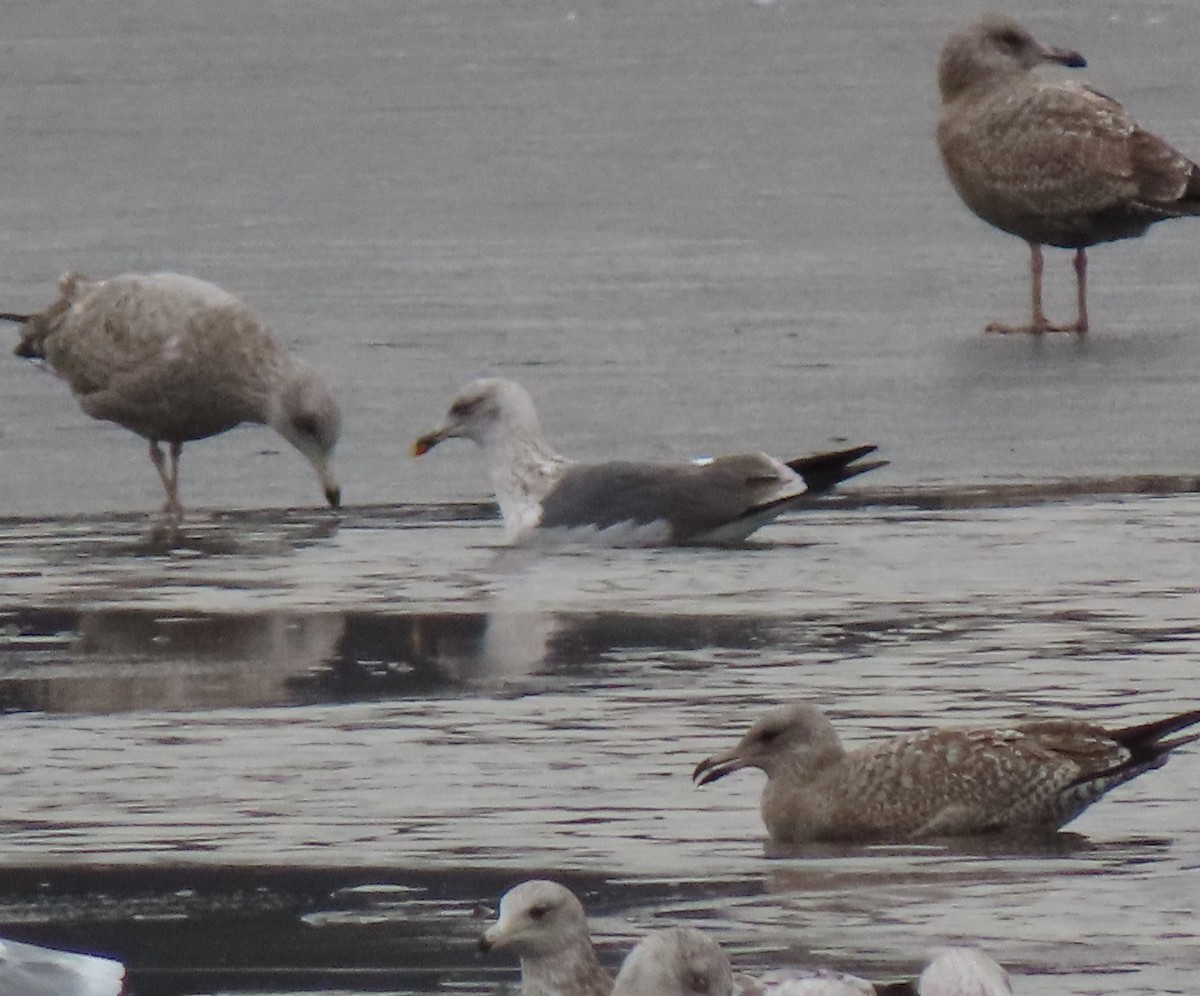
(822, 471)
(1150, 734)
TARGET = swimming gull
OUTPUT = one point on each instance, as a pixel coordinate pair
(682, 961)
(963, 972)
(32, 970)
(1033, 776)
(621, 503)
(544, 925)
(174, 358)
(1051, 161)
(679, 961)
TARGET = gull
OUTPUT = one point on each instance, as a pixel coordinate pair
(682, 961)
(174, 358)
(32, 970)
(1053, 162)
(679, 961)
(620, 503)
(1033, 776)
(544, 925)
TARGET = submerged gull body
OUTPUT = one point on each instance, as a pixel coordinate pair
(682, 961)
(623, 503)
(1029, 777)
(544, 925)
(1053, 162)
(32, 970)
(174, 358)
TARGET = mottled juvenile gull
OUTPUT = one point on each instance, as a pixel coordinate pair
(679, 961)
(1051, 161)
(31, 970)
(174, 358)
(543, 924)
(1034, 776)
(621, 503)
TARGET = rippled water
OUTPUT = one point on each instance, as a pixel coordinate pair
(387, 719)
(287, 751)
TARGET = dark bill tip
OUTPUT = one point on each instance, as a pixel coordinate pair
(334, 497)
(425, 444)
(484, 944)
(709, 770)
(1066, 57)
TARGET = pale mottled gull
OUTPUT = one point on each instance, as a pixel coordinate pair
(1034, 776)
(174, 358)
(544, 925)
(619, 503)
(963, 972)
(679, 961)
(32, 970)
(1051, 161)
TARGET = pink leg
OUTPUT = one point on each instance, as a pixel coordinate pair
(169, 477)
(1038, 323)
(1081, 322)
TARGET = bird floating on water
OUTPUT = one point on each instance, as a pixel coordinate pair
(174, 358)
(1029, 777)
(620, 503)
(1051, 161)
(544, 925)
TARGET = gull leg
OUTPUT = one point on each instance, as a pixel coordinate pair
(1038, 323)
(1081, 322)
(169, 477)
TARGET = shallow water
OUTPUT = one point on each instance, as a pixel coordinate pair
(288, 751)
(385, 721)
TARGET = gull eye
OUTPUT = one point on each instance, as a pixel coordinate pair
(462, 408)
(698, 982)
(306, 425)
(538, 912)
(769, 735)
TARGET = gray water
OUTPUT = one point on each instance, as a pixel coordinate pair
(292, 751)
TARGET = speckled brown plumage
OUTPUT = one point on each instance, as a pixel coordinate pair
(1034, 776)
(173, 359)
(1053, 162)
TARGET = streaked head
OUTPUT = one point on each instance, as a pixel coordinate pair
(306, 414)
(798, 735)
(537, 919)
(680, 961)
(994, 47)
(482, 408)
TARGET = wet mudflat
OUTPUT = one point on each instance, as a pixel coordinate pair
(300, 760)
(288, 751)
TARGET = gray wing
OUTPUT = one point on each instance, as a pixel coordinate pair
(692, 498)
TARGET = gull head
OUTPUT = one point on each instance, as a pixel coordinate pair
(954, 971)
(992, 48)
(680, 961)
(306, 414)
(483, 409)
(797, 736)
(537, 919)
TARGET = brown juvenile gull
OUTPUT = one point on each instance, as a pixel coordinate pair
(621, 503)
(1034, 776)
(543, 924)
(1051, 161)
(32, 970)
(174, 358)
